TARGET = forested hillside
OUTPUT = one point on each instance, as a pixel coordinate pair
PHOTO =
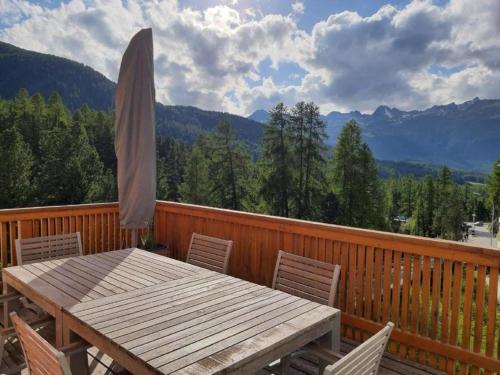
(78, 84)
(50, 155)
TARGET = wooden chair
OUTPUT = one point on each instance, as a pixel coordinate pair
(209, 252)
(41, 357)
(363, 360)
(11, 354)
(38, 249)
(307, 278)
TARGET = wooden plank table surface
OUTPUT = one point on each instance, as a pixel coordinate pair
(201, 324)
(55, 284)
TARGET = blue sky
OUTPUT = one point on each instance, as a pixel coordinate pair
(244, 55)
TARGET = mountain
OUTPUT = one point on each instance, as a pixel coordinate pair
(260, 115)
(463, 136)
(38, 72)
(79, 84)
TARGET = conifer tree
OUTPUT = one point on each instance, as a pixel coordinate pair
(308, 134)
(355, 182)
(493, 185)
(229, 168)
(70, 166)
(276, 163)
(196, 185)
(15, 170)
(424, 208)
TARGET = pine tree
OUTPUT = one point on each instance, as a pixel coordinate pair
(276, 162)
(424, 208)
(196, 185)
(171, 160)
(449, 213)
(355, 182)
(308, 134)
(70, 166)
(493, 185)
(229, 168)
(16, 164)
(372, 192)
(443, 191)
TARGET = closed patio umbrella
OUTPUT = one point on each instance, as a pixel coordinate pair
(135, 134)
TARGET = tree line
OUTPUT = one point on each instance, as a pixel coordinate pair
(49, 155)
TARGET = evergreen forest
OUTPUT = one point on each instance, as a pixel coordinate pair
(50, 155)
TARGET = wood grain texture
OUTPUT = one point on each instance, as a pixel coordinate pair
(209, 252)
(41, 357)
(363, 360)
(306, 278)
(205, 323)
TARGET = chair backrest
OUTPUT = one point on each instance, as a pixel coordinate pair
(209, 252)
(41, 357)
(364, 359)
(307, 278)
(38, 249)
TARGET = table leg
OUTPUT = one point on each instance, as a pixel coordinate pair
(330, 341)
(8, 306)
(59, 329)
(78, 361)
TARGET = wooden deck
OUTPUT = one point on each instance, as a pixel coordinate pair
(380, 272)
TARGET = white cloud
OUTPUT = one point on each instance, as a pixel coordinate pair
(298, 7)
(212, 58)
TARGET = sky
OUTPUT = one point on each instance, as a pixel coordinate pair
(242, 55)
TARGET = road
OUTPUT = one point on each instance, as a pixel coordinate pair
(482, 237)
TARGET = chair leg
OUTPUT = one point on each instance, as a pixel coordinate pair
(285, 365)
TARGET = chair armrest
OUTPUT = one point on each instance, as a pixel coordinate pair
(5, 333)
(75, 347)
(322, 353)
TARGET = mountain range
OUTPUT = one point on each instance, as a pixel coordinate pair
(463, 136)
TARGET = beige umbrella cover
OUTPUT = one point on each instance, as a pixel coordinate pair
(135, 133)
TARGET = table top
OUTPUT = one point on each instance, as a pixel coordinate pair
(203, 323)
(66, 282)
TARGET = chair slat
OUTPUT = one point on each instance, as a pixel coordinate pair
(209, 252)
(306, 278)
(38, 249)
(41, 357)
(364, 359)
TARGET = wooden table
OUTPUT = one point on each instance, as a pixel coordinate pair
(66, 282)
(157, 315)
(202, 324)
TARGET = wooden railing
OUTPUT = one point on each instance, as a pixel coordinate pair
(98, 224)
(441, 295)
